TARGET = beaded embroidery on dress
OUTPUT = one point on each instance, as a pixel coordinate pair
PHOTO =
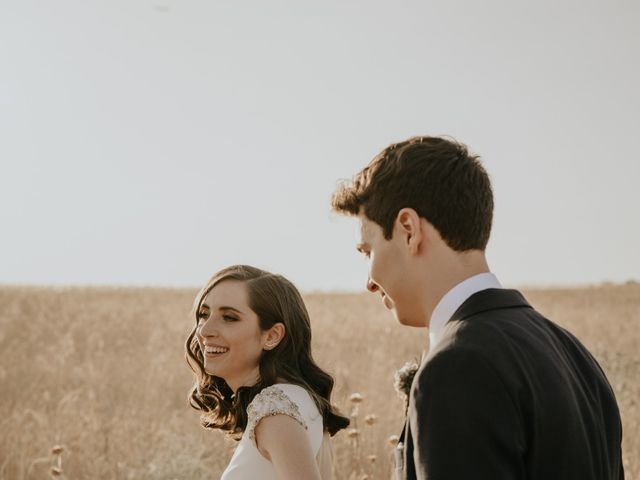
(271, 401)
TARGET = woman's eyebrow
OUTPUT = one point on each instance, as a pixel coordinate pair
(204, 306)
(224, 308)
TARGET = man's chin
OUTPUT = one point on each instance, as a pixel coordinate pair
(403, 318)
(408, 320)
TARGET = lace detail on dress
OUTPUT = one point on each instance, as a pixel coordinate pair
(271, 401)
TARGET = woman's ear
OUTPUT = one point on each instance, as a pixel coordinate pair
(273, 336)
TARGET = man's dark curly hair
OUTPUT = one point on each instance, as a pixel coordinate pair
(437, 177)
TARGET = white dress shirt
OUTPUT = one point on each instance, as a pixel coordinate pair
(455, 297)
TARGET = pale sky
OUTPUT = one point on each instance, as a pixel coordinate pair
(154, 142)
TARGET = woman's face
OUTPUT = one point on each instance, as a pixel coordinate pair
(229, 335)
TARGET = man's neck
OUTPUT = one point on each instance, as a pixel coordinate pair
(461, 267)
(454, 299)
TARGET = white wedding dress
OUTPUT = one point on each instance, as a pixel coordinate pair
(247, 463)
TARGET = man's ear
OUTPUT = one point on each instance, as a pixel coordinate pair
(273, 336)
(410, 228)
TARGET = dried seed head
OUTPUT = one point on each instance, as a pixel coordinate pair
(372, 458)
(393, 440)
(356, 398)
(353, 433)
(56, 471)
(57, 449)
(370, 419)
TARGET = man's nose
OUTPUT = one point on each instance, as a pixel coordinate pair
(371, 285)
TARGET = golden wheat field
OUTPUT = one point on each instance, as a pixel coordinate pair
(100, 372)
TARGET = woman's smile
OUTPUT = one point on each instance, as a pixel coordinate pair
(215, 350)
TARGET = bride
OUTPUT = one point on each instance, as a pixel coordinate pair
(250, 351)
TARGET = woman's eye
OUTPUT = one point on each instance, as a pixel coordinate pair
(229, 318)
(202, 316)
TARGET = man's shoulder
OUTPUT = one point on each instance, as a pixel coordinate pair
(496, 304)
(488, 342)
(493, 318)
(497, 342)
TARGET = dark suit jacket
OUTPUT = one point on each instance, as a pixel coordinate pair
(507, 394)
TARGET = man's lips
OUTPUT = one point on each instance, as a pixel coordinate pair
(388, 303)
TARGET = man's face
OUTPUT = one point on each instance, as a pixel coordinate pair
(389, 269)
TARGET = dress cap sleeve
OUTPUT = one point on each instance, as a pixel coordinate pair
(271, 401)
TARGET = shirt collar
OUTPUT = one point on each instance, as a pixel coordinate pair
(455, 297)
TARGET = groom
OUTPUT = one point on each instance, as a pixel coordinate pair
(503, 393)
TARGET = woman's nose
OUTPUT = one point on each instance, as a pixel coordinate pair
(207, 329)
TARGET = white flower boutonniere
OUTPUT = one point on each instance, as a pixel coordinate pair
(403, 379)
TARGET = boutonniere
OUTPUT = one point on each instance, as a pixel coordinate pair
(402, 380)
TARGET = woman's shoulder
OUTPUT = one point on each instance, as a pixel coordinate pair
(295, 392)
(283, 393)
(279, 399)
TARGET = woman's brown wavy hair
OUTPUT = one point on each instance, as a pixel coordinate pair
(274, 299)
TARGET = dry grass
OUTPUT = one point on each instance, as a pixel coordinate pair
(101, 372)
